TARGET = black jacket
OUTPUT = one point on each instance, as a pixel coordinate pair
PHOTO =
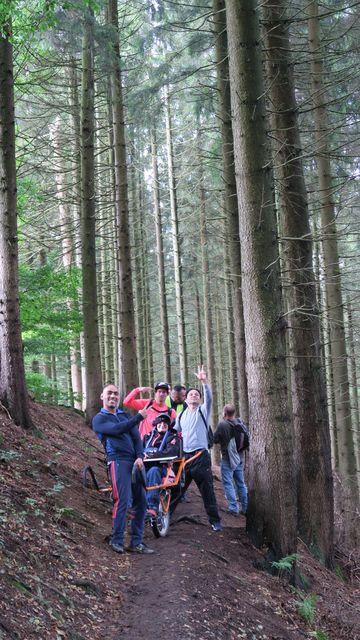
(225, 430)
(155, 439)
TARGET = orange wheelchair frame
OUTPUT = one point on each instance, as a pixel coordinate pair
(161, 523)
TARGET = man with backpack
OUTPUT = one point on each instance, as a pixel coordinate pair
(232, 435)
(193, 423)
(155, 407)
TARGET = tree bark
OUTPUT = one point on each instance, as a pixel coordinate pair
(231, 203)
(88, 252)
(354, 384)
(308, 391)
(13, 393)
(205, 272)
(128, 364)
(67, 253)
(165, 341)
(345, 440)
(179, 298)
(78, 363)
(272, 504)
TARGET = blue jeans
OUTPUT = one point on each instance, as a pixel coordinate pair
(231, 479)
(153, 477)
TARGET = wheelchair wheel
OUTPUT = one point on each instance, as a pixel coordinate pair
(89, 479)
(160, 525)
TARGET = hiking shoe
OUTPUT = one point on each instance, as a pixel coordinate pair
(117, 547)
(230, 511)
(216, 526)
(140, 548)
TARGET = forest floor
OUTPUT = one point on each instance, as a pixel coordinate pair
(61, 580)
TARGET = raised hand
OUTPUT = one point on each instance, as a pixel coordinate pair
(145, 389)
(201, 375)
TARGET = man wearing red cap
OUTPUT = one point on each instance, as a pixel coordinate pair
(155, 407)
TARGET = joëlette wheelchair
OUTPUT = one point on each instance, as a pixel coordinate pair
(170, 488)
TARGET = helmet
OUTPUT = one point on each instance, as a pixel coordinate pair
(162, 417)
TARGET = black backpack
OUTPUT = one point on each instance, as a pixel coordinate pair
(242, 437)
(210, 435)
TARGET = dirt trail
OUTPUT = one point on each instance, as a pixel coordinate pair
(201, 584)
(60, 580)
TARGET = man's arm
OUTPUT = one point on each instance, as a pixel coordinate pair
(206, 407)
(136, 403)
(104, 426)
(207, 401)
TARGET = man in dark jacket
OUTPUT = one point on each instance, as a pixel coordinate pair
(120, 437)
(229, 434)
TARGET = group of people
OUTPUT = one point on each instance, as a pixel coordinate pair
(159, 426)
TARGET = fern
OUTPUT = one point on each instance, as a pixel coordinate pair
(319, 635)
(307, 607)
(286, 563)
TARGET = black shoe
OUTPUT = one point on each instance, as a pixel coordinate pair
(140, 548)
(117, 547)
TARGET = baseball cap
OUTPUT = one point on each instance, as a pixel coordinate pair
(162, 385)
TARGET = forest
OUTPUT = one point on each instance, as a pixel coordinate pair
(179, 185)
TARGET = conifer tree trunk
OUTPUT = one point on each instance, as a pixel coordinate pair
(160, 262)
(345, 440)
(313, 451)
(148, 334)
(354, 385)
(231, 203)
(200, 349)
(205, 271)
(179, 298)
(67, 251)
(13, 393)
(88, 253)
(137, 262)
(230, 327)
(107, 256)
(272, 504)
(128, 364)
(78, 358)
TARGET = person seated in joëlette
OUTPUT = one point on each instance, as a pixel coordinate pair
(163, 442)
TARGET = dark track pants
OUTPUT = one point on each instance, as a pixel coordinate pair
(120, 475)
(200, 471)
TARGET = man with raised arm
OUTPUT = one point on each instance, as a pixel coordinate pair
(120, 436)
(193, 423)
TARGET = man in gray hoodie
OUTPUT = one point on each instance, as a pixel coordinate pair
(193, 423)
